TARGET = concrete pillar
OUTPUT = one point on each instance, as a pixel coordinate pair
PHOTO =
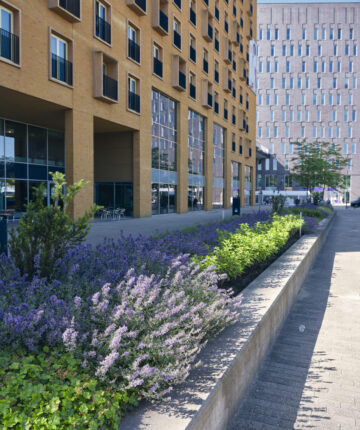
(208, 203)
(182, 158)
(79, 150)
(227, 169)
(142, 172)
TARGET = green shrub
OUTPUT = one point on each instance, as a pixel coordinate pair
(278, 203)
(251, 245)
(46, 233)
(51, 391)
(318, 213)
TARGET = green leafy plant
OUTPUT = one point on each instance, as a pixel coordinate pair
(46, 233)
(251, 245)
(51, 391)
(316, 195)
(278, 203)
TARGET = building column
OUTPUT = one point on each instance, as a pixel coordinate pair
(182, 159)
(142, 173)
(79, 153)
(208, 203)
(227, 169)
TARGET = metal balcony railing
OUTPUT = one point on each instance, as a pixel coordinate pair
(72, 6)
(192, 91)
(193, 54)
(178, 3)
(177, 39)
(234, 119)
(164, 21)
(210, 100)
(141, 4)
(217, 46)
(205, 66)
(225, 114)
(210, 31)
(158, 67)
(216, 76)
(61, 69)
(216, 107)
(133, 50)
(217, 13)
(9, 46)
(192, 16)
(134, 101)
(103, 29)
(182, 80)
(110, 87)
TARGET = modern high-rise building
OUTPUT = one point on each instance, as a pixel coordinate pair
(309, 80)
(149, 101)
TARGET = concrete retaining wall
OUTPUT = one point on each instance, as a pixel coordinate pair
(227, 365)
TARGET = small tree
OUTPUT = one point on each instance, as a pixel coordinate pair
(46, 233)
(318, 164)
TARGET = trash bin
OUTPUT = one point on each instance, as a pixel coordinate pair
(236, 206)
(3, 235)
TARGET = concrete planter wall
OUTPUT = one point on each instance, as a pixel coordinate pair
(228, 364)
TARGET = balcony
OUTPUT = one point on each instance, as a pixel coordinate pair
(227, 54)
(178, 71)
(103, 30)
(227, 80)
(160, 20)
(134, 102)
(68, 9)
(192, 16)
(9, 46)
(177, 3)
(216, 107)
(192, 54)
(207, 25)
(192, 91)
(225, 114)
(235, 33)
(158, 67)
(216, 76)
(110, 87)
(242, 121)
(61, 69)
(133, 51)
(205, 66)
(177, 39)
(138, 6)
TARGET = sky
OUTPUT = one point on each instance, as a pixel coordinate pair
(308, 1)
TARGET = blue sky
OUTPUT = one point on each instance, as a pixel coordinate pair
(308, 1)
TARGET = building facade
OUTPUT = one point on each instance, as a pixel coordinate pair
(308, 81)
(146, 100)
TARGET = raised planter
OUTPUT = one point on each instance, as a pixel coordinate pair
(211, 395)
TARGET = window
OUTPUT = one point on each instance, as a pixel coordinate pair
(315, 33)
(216, 71)
(302, 131)
(350, 99)
(303, 34)
(319, 50)
(303, 99)
(334, 82)
(303, 66)
(354, 50)
(260, 34)
(283, 115)
(339, 33)
(271, 148)
(205, 61)
(268, 66)
(192, 48)
(347, 49)
(315, 66)
(259, 131)
(338, 99)
(291, 115)
(271, 115)
(276, 34)
(226, 25)
(268, 34)
(260, 66)
(339, 66)
(288, 34)
(275, 131)
(267, 129)
(348, 166)
(177, 33)
(318, 116)
(283, 147)
(272, 50)
(353, 148)
(260, 99)
(322, 131)
(276, 67)
(287, 99)
(323, 99)
(267, 164)
(134, 43)
(61, 66)
(350, 66)
(351, 33)
(284, 50)
(192, 85)
(330, 131)
(299, 83)
(330, 99)
(102, 21)
(349, 131)
(267, 99)
(347, 83)
(353, 116)
(314, 99)
(133, 94)
(157, 57)
(307, 83)
(192, 12)
(291, 50)
(291, 83)
(346, 116)
(272, 83)
(287, 66)
(331, 34)
(9, 45)
(283, 82)
(299, 50)
(337, 132)
(354, 83)
(323, 33)
(216, 41)
(335, 49)
(275, 99)
(314, 131)
(291, 148)
(330, 66)
(323, 67)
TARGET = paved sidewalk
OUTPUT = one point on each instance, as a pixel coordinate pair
(311, 379)
(159, 223)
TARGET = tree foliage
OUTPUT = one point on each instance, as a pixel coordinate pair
(46, 233)
(318, 164)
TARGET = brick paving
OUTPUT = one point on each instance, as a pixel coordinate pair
(311, 379)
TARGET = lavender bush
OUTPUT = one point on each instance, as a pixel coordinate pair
(146, 331)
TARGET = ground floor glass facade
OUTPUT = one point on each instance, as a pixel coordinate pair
(218, 166)
(27, 156)
(115, 195)
(248, 185)
(164, 146)
(235, 179)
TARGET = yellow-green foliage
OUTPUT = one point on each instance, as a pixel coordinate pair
(251, 245)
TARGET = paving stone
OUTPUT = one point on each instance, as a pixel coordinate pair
(311, 380)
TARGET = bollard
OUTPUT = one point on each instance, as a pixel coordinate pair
(3, 236)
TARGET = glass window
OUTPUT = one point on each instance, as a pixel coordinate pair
(37, 145)
(288, 34)
(304, 34)
(268, 34)
(315, 33)
(331, 34)
(15, 142)
(299, 50)
(59, 55)
(56, 148)
(276, 34)
(351, 33)
(276, 66)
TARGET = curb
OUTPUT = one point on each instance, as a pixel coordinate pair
(227, 366)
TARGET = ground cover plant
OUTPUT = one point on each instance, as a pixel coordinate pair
(130, 316)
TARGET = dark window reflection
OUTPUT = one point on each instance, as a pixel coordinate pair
(15, 142)
(16, 195)
(56, 148)
(37, 145)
